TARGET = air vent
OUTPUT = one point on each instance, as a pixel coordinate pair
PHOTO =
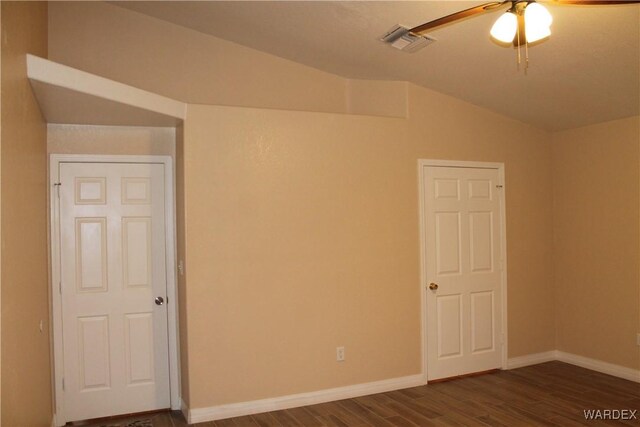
(400, 38)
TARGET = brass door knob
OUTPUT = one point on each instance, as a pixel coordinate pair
(433, 286)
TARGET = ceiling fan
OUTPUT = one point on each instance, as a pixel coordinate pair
(525, 22)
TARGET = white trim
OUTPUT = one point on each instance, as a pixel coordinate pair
(599, 366)
(577, 360)
(49, 72)
(184, 409)
(422, 164)
(302, 399)
(56, 314)
(459, 164)
(531, 359)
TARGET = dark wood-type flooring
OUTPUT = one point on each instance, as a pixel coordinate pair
(549, 394)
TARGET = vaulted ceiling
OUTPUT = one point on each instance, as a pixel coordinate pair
(587, 72)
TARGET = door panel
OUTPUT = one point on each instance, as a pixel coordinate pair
(115, 338)
(482, 320)
(449, 326)
(138, 338)
(463, 257)
(91, 254)
(93, 346)
(481, 242)
(448, 242)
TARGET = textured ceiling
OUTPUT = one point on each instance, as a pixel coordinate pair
(587, 72)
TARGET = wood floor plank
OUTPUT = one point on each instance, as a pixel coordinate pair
(398, 421)
(285, 419)
(304, 417)
(245, 421)
(409, 414)
(327, 416)
(362, 412)
(266, 420)
(548, 394)
(412, 404)
(499, 419)
(373, 406)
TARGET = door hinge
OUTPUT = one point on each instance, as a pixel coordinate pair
(57, 185)
(62, 383)
(60, 287)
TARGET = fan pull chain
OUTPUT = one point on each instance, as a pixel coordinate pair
(526, 65)
(519, 57)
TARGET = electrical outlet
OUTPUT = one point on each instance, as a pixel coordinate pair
(340, 354)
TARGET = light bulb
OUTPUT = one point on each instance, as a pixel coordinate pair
(505, 28)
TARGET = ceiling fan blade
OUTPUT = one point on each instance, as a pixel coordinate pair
(458, 16)
(591, 2)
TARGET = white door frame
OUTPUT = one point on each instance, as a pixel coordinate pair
(422, 165)
(55, 284)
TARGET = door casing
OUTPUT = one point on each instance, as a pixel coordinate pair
(55, 281)
(422, 165)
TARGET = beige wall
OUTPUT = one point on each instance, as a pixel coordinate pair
(26, 374)
(378, 98)
(185, 64)
(596, 243)
(302, 235)
(83, 139)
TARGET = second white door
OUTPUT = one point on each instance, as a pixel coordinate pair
(114, 287)
(463, 228)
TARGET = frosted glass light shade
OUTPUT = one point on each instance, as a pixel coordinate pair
(537, 15)
(537, 20)
(505, 28)
(534, 33)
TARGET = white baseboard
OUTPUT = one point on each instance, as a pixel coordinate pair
(531, 359)
(219, 412)
(600, 366)
(184, 409)
(574, 359)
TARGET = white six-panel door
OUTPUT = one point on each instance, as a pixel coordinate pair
(112, 262)
(463, 270)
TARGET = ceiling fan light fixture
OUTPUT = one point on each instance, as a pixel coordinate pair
(505, 28)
